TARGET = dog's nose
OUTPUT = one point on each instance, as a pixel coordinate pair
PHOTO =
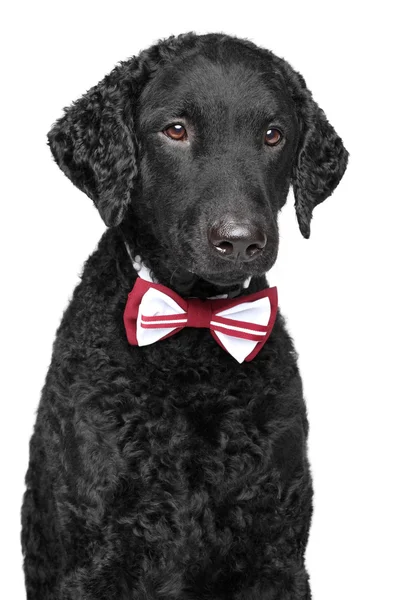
(232, 240)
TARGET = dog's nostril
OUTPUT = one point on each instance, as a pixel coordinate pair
(224, 247)
(254, 249)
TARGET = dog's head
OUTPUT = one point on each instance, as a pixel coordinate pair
(199, 138)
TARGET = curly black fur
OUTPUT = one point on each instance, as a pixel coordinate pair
(171, 471)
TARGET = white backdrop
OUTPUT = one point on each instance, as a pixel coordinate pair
(338, 290)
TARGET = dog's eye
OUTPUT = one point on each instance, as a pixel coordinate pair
(176, 132)
(272, 137)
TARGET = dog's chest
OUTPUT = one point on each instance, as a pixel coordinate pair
(178, 454)
(197, 447)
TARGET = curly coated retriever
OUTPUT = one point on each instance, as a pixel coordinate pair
(178, 469)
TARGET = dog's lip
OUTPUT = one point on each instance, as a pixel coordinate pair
(225, 282)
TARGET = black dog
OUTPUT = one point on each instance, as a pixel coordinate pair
(171, 470)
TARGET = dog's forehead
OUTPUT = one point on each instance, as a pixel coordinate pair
(200, 84)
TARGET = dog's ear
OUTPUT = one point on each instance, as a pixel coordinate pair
(321, 158)
(94, 141)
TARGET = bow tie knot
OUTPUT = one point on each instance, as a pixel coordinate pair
(199, 313)
(241, 325)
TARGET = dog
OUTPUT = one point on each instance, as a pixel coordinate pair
(177, 468)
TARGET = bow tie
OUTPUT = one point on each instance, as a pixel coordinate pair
(241, 325)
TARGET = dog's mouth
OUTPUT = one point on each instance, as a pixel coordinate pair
(235, 273)
(232, 276)
(221, 281)
(189, 282)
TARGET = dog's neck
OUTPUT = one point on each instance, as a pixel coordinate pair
(186, 284)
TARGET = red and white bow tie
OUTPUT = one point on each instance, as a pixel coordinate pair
(241, 326)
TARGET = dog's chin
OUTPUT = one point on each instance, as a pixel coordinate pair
(189, 282)
(222, 281)
(232, 276)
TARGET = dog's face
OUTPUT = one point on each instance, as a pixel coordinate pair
(217, 143)
(200, 137)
